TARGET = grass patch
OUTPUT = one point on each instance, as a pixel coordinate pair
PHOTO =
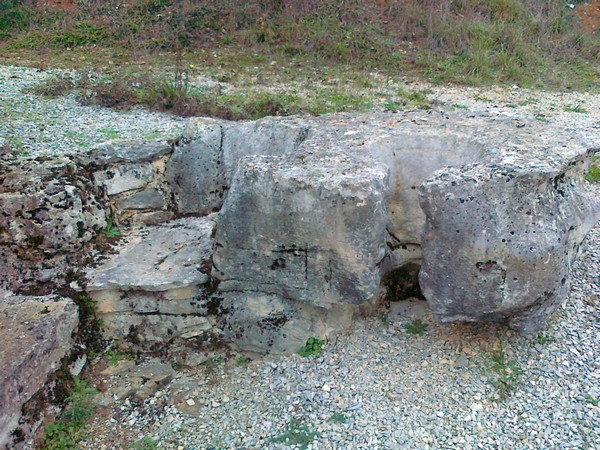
(339, 418)
(575, 108)
(544, 338)
(146, 443)
(589, 398)
(313, 347)
(67, 430)
(503, 373)
(296, 435)
(527, 42)
(416, 327)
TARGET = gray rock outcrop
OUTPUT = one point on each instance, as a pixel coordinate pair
(36, 333)
(200, 171)
(500, 240)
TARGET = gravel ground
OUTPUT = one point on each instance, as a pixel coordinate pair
(38, 126)
(379, 387)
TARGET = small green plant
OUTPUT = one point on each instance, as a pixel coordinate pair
(592, 400)
(338, 418)
(593, 175)
(146, 443)
(575, 108)
(295, 434)
(544, 338)
(116, 354)
(110, 230)
(67, 430)
(243, 361)
(313, 347)
(503, 373)
(416, 327)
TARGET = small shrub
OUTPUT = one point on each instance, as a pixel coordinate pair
(416, 327)
(144, 444)
(313, 347)
(544, 338)
(503, 373)
(593, 174)
(53, 87)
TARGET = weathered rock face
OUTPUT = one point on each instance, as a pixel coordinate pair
(48, 213)
(312, 232)
(499, 240)
(36, 333)
(152, 290)
(200, 171)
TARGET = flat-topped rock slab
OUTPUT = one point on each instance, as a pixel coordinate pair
(160, 258)
(152, 289)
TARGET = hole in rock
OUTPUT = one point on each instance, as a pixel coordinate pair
(403, 283)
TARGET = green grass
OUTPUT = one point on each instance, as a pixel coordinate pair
(313, 347)
(503, 373)
(527, 42)
(544, 338)
(416, 327)
(589, 398)
(575, 108)
(296, 435)
(339, 418)
(67, 430)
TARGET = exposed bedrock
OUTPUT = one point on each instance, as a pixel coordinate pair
(499, 240)
(153, 289)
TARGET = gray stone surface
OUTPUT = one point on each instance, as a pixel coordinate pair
(124, 178)
(313, 232)
(159, 258)
(200, 170)
(123, 151)
(259, 322)
(500, 240)
(148, 199)
(36, 332)
(152, 289)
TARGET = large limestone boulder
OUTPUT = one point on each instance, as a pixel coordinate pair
(500, 239)
(311, 231)
(36, 333)
(152, 289)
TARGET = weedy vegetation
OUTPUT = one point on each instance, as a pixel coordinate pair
(67, 430)
(296, 435)
(329, 48)
(503, 373)
(416, 327)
